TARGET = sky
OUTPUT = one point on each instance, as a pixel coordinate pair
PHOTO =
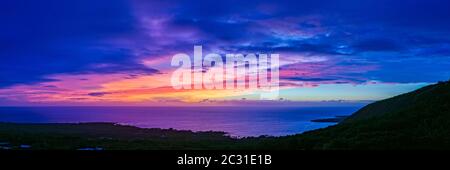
(109, 52)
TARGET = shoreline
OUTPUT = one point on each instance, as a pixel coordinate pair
(335, 119)
(102, 135)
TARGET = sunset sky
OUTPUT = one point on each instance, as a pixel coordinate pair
(110, 52)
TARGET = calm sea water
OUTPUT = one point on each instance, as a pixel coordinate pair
(237, 121)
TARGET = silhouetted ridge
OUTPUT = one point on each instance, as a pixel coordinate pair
(416, 120)
(437, 95)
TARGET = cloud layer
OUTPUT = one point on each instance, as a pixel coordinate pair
(47, 46)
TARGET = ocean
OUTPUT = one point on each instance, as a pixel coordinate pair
(238, 121)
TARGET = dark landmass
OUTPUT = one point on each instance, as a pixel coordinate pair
(415, 120)
(335, 119)
(97, 136)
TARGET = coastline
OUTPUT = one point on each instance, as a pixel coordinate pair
(335, 119)
(102, 135)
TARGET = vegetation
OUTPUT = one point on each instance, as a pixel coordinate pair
(415, 120)
(105, 136)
